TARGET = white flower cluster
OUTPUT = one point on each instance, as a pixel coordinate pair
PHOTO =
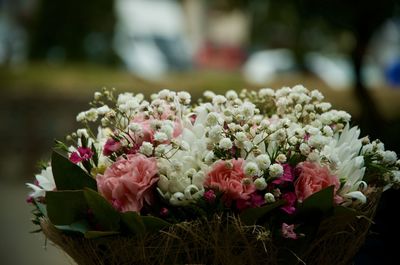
(266, 129)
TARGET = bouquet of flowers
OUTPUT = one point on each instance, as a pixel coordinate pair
(259, 177)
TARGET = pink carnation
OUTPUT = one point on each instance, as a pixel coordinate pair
(82, 154)
(288, 231)
(148, 132)
(127, 182)
(290, 199)
(227, 177)
(314, 178)
(111, 146)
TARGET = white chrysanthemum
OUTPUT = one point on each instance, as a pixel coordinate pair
(275, 170)
(346, 163)
(183, 184)
(45, 182)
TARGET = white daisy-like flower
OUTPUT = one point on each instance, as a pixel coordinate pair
(45, 182)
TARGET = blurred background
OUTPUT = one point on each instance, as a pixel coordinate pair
(55, 54)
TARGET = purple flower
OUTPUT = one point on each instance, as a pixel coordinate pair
(290, 199)
(287, 176)
(83, 154)
(209, 196)
(288, 231)
(111, 146)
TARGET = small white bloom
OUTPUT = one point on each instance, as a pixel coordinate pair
(103, 110)
(184, 146)
(146, 148)
(263, 161)
(281, 158)
(240, 137)
(317, 95)
(269, 197)
(266, 92)
(225, 143)
(251, 169)
(92, 115)
(389, 157)
(81, 116)
(209, 157)
(209, 94)
(212, 119)
(313, 156)
(184, 97)
(328, 131)
(275, 170)
(217, 100)
(135, 127)
(260, 183)
(82, 132)
(304, 149)
(160, 137)
(97, 95)
(160, 149)
(231, 95)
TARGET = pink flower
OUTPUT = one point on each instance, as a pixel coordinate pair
(148, 132)
(288, 175)
(209, 196)
(83, 154)
(127, 182)
(111, 146)
(290, 199)
(227, 177)
(288, 231)
(256, 200)
(314, 178)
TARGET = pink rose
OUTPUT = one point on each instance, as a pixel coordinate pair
(127, 182)
(227, 177)
(314, 178)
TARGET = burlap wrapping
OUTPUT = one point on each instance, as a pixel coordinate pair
(219, 241)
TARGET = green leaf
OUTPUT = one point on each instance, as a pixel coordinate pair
(105, 215)
(80, 226)
(252, 215)
(97, 234)
(65, 207)
(69, 176)
(133, 222)
(321, 200)
(154, 224)
(41, 207)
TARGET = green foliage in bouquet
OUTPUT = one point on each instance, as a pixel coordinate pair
(273, 174)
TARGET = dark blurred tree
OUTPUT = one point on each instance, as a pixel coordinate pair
(301, 25)
(73, 28)
(362, 18)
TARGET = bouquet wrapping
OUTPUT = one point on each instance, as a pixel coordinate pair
(256, 177)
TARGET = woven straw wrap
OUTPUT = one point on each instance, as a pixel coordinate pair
(219, 241)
